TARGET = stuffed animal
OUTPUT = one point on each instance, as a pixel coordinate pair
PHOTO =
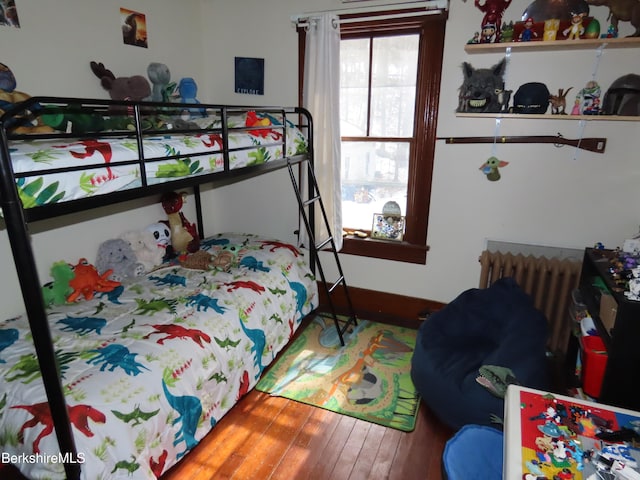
(57, 291)
(134, 88)
(9, 96)
(87, 281)
(184, 235)
(162, 235)
(145, 248)
(188, 90)
(118, 256)
(160, 78)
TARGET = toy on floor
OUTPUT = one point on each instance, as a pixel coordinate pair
(184, 235)
(117, 256)
(87, 281)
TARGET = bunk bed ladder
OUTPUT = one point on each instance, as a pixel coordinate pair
(344, 323)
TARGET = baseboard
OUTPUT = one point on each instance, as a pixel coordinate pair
(383, 306)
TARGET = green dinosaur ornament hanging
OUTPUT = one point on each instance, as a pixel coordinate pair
(490, 168)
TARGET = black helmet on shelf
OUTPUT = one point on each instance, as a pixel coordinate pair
(532, 97)
(623, 96)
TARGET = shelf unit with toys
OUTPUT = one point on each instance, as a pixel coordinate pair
(555, 45)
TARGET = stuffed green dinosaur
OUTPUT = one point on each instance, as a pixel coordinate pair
(496, 380)
(57, 291)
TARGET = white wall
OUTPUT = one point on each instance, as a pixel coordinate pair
(50, 55)
(545, 196)
(549, 196)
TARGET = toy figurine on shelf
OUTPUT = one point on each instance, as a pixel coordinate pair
(559, 102)
(475, 39)
(488, 34)
(506, 32)
(576, 29)
(612, 32)
(528, 32)
(588, 100)
(493, 11)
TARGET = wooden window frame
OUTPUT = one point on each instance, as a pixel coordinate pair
(431, 28)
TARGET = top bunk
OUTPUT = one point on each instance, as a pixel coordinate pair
(68, 154)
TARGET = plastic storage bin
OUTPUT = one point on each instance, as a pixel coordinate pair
(594, 362)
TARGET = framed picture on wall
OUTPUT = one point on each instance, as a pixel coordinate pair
(249, 75)
(9, 14)
(134, 28)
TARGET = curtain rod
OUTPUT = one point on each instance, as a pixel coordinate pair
(431, 6)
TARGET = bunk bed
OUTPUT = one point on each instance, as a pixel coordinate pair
(125, 384)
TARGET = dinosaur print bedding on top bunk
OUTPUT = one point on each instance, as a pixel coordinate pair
(148, 369)
(97, 164)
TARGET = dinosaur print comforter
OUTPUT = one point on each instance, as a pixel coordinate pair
(105, 165)
(149, 368)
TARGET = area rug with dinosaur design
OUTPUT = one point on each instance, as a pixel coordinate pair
(367, 378)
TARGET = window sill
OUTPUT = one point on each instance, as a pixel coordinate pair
(388, 250)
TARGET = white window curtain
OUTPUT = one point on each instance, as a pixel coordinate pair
(321, 96)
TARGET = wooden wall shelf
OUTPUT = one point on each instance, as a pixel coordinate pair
(540, 46)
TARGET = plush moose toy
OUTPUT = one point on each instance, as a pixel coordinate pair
(134, 88)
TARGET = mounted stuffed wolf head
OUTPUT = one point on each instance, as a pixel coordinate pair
(482, 90)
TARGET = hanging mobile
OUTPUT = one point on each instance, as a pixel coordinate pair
(490, 168)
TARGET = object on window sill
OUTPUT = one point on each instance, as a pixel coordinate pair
(354, 233)
(388, 227)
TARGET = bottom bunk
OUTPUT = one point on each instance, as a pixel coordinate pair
(149, 367)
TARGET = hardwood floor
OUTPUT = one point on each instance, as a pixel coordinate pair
(266, 437)
(269, 438)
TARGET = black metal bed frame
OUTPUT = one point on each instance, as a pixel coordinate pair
(17, 218)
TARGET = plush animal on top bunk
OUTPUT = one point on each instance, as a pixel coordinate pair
(188, 90)
(117, 256)
(160, 78)
(145, 248)
(184, 235)
(135, 88)
(9, 96)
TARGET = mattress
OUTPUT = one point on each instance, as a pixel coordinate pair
(150, 367)
(54, 170)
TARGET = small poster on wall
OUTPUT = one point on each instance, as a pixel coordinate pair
(134, 28)
(9, 14)
(249, 75)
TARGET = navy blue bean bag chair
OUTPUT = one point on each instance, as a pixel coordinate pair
(496, 326)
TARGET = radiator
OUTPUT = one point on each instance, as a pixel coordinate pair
(549, 282)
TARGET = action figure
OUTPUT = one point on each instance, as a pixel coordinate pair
(493, 11)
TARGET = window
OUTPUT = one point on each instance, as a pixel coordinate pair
(390, 83)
